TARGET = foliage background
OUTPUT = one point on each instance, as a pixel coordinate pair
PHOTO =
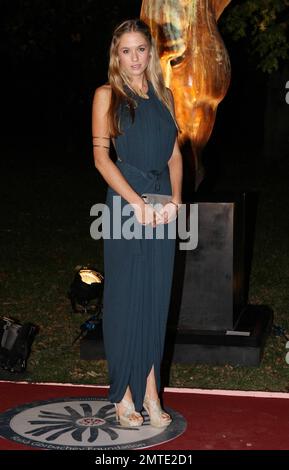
(54, 55)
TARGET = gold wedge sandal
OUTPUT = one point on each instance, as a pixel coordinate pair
(130, 417)
(158, 417)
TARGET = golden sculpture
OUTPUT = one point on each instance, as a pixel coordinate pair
(195, 65)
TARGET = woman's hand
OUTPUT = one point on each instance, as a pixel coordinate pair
(146, 214)
(168, 213)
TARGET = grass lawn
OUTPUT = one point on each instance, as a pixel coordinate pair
(45, 233)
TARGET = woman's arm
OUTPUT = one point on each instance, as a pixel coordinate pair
(175, 164)
(145, 214)
(176, 174)
(102, 160)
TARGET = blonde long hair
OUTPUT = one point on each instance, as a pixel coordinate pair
(117, 78)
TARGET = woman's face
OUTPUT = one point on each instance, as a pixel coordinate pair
(133, 53)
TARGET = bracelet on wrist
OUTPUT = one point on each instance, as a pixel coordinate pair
(175, 204)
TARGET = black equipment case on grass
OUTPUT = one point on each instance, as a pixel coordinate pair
(15, 344)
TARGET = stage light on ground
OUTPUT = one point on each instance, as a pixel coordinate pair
(85, 293)
(86, 289)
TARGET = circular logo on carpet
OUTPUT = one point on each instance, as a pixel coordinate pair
(81, 423)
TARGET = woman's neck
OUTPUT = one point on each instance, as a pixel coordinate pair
(141, 85)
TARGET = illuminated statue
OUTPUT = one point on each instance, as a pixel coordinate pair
(195, 65)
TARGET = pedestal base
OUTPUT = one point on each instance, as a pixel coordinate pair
(242, 346)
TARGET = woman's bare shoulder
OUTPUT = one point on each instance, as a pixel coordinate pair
(102, 95)
(103, 90)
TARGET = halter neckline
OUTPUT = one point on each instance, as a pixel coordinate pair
(135, 95)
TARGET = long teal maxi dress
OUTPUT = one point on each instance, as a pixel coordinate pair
(138, 272)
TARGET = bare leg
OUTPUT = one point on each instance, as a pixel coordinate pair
(151, 388)
(125, 411)
(158, 417)
(127, 397)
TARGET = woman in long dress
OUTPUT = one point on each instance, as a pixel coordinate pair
(135, 111)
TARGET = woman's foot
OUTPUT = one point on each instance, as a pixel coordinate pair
(126, 414)
(158, 417)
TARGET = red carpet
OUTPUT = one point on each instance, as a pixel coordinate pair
(215, 419)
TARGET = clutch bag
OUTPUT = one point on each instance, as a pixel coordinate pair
(153, 199)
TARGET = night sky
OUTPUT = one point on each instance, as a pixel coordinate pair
(54, 55)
